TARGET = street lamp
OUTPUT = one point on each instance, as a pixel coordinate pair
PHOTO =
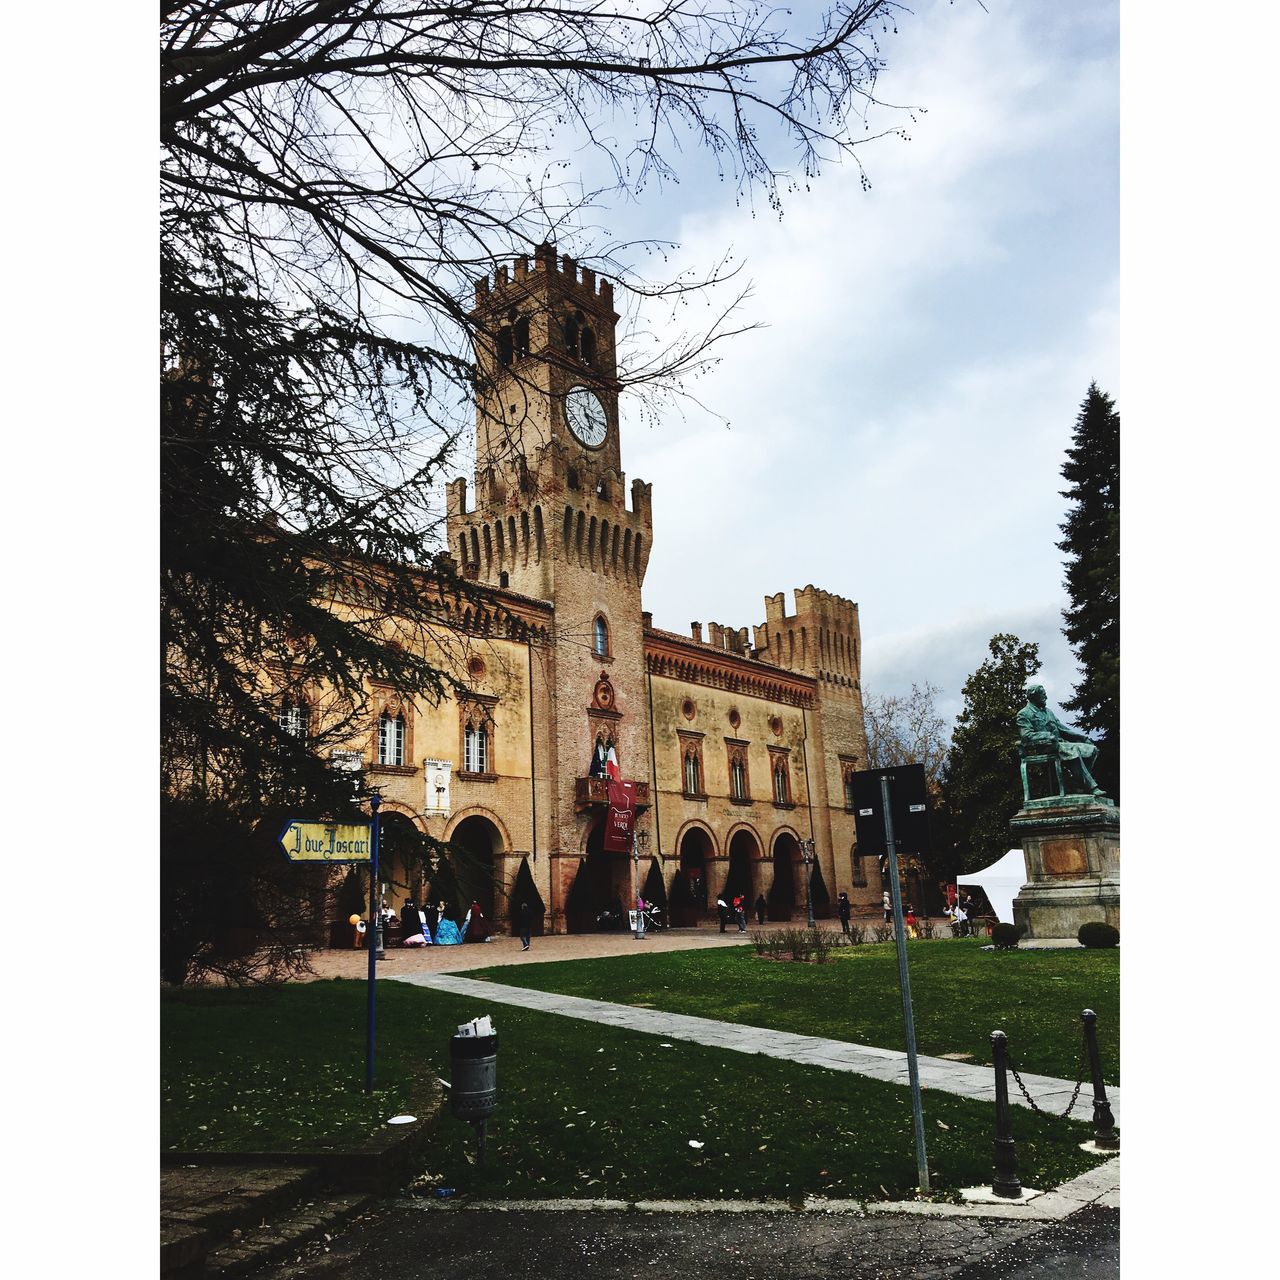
(806, 852)
(639, 846)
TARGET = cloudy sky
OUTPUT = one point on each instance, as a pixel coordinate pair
(897, 427)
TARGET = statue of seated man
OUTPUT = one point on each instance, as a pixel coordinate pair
(1040, 732)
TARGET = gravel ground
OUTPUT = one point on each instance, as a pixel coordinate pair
(404, 1240)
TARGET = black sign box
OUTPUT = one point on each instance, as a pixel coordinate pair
(909, 808)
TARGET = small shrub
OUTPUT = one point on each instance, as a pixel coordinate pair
(882, 932)
(1005, 936)
(1097, 933)
(761, 942)
(801, 943)
(857, 934)
(776, 945)
(824, 942)
(926, 928)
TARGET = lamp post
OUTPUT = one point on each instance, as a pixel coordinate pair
(806, 852)
(639, 845)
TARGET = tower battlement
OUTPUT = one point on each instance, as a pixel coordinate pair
(595, 291)
(823, 638)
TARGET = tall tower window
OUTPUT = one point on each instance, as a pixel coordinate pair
(737, 781)
(600, 637)
(520, 337)
(390, 739)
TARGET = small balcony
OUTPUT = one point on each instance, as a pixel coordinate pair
(591, 792)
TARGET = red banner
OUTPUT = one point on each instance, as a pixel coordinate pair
(620, 818)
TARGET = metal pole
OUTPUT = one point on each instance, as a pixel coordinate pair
(806, 847)
(638, 932)
(371, 939)
(1104, 1123)
(904, 983)
(1006, 1182)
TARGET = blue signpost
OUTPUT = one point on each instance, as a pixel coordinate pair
(375, 802)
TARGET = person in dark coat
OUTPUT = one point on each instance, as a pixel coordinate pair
(761, 907)
(843, 910)
(526, 925)
(722, 910)
(410, 925)
(433, 918)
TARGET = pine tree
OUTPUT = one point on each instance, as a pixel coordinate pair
(981, 784)
(1092, 547)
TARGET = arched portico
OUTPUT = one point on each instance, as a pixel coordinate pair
(480, 842)
(742, 876)
(782, 893)
(695, 848)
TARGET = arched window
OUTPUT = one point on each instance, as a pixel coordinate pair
(293, 718)
(587, 345)
(390, 739)
(738, 780)
(692, 774)
(520, 336)
(601, 637)
(781, 787)
(571, 335)
(859, 869)
(504, 579)
(475, 748)
(506, 347)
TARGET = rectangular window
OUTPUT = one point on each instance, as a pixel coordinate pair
(391, 740)
(293, 719)
(475, 749)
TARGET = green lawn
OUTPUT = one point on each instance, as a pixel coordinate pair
(960, 994)
(583, 1110)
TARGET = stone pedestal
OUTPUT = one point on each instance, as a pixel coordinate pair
(1071, 846)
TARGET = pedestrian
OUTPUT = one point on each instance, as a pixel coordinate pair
(739, 914)
(476, 928)
(526, 925)
(432, 918)
(410, 926)
(761, 907)
(887, 902)
(722, 910)
(844, 910)
(911, 921)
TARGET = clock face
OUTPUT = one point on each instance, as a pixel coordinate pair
(586, 417)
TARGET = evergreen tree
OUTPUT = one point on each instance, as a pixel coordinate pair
(981, 784)
(1092, 547)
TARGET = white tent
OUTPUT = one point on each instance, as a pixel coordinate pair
(1001, 882)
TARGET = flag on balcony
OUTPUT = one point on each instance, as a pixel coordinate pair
(621, 816)
(611, 766)
(598, 761)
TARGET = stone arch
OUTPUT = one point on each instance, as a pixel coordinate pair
(744, 851)
(482, 842)
(696, 849)
(784, 847)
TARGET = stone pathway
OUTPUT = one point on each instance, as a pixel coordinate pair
(964, 1079)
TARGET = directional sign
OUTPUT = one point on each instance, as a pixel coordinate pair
(304, 841)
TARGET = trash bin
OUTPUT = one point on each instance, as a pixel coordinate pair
(473, 1062)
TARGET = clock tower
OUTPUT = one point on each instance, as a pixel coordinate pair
(551, 520)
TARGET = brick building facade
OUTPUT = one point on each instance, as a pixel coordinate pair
(740, 740)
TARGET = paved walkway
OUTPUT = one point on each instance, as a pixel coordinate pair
(964, 1079)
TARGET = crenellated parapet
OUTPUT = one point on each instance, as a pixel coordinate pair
(525, 277)
(822, 637)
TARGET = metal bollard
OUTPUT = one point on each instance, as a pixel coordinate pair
(1006, 1182)
(473, 1092)
(381, 951)
(1104, 1123)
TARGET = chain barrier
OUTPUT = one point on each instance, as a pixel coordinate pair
(1031, 1102)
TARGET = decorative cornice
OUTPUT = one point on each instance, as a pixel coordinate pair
(666, 654)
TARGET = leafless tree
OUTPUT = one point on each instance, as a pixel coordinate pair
(907, 729)
(334, 177)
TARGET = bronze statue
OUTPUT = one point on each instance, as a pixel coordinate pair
(1040, 732)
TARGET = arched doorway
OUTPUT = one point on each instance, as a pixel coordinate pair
(744, 853)
(478, 845)
(403, 864)
(599, 887)
(782, 892)
(688, 901)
